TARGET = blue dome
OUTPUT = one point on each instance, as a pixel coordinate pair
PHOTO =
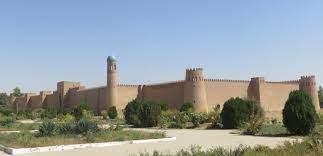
(111, 58)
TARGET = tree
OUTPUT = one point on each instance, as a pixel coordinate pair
(299, 115)
(187, 107)
(236, 112)
(17, 92)
(112, 112)
(321, 96)
(4, 99)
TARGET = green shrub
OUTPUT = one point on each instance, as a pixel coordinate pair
(149, 114)
(4, 110)
(198, 118)
(112, 112)
(84, 126)
(299, 116)
(81, 110)
(104, 114)
(132, 112)
(214, 114)
(6, 121)
(66, 118)
(65, 128)
(236, 112)
(47, 128)
(187, 107)
(49, 113)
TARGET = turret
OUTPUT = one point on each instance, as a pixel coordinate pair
(308, 84)
(194, 89)
(112, 82)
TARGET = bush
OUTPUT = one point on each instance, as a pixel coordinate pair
(199, 118)
(236, 112)
(47, 128)
(187, 107)
(65, 128)
(6, 111)
(84, 126)
(112, 112)
(66, 118)
(81, 110)
(132, 112)
(6, 121)
(149, 114)
(104, 115)
(299, 116)
(49, 113)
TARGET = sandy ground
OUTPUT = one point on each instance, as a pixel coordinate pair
(185, 138)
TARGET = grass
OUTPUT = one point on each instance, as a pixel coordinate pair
(27, 139)
(273, 130)
(306, 148)
(20, 127)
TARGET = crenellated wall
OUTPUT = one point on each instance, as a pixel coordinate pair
(171, 93)
(219, 90)
(203, 93)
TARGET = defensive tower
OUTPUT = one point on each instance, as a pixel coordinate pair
(112, 82)
(194, 89)
(308, 84)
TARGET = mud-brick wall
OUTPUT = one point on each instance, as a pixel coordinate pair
(170, 93)
(219, 91)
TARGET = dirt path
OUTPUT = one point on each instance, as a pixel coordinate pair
(185, 138)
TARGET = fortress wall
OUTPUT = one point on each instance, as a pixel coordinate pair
(51, 101)
(274, 96)
(95, 97)
(20, 102)
(35, 102)
(170, 93)
(126, 93)
(219, 91)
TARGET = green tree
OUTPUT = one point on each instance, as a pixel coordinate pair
(299, 115)
(16, 92)
(4, 99)
(112, 112)
(321, 96)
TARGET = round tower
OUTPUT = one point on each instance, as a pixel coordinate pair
(112, 82)
(308, 84)
(194, 89)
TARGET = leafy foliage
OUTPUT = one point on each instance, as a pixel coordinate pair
(47, 128)
(49, 113)
(16, 92)
(4, 99)
(132, 112)
(6, 121)
(112, 112)
(81, 110)
(299, 115)
(149, 114)
(85, 126)
(4, 110)
(236, 112)
(142, 113)
(187, 107)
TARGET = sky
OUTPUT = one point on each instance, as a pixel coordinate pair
(43, 42)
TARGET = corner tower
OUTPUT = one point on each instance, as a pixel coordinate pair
(194, 89)
(308, 84)
(112, 82)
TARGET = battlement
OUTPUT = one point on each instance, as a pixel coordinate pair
(165, 83)
(284, 82)
(226, 80)
(127, 85)
(194, 69)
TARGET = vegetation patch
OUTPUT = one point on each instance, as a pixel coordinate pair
(28, 140)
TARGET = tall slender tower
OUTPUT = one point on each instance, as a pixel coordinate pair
(194, 89)
(112, 82)
(308, 84)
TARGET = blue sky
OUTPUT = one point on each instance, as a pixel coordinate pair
(42, 42)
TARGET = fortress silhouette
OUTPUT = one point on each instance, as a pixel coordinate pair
(203, 93)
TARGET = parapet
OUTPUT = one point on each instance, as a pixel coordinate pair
(127, 85)
(194, 74)
(226, 80)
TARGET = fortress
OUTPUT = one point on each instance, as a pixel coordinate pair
(203, 93)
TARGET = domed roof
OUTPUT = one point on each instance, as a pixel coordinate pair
(111, 58)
